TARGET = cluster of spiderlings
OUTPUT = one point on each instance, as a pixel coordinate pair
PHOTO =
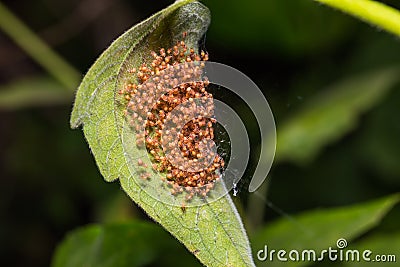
(174, 78)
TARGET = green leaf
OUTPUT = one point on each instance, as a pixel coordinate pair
(213, 231)
(121, 245)
(33, 92)
(320, 229)
(372, 12)
(332, 114)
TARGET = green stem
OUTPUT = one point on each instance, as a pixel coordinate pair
(37, 49)
(369, 11)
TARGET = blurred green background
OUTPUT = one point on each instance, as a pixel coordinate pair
(301, 54)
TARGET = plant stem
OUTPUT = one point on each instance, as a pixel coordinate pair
(37, 49)
(372, 12)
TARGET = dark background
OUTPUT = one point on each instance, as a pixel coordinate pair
(291, 49)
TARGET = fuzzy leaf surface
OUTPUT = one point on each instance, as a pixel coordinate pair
(213, 231)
